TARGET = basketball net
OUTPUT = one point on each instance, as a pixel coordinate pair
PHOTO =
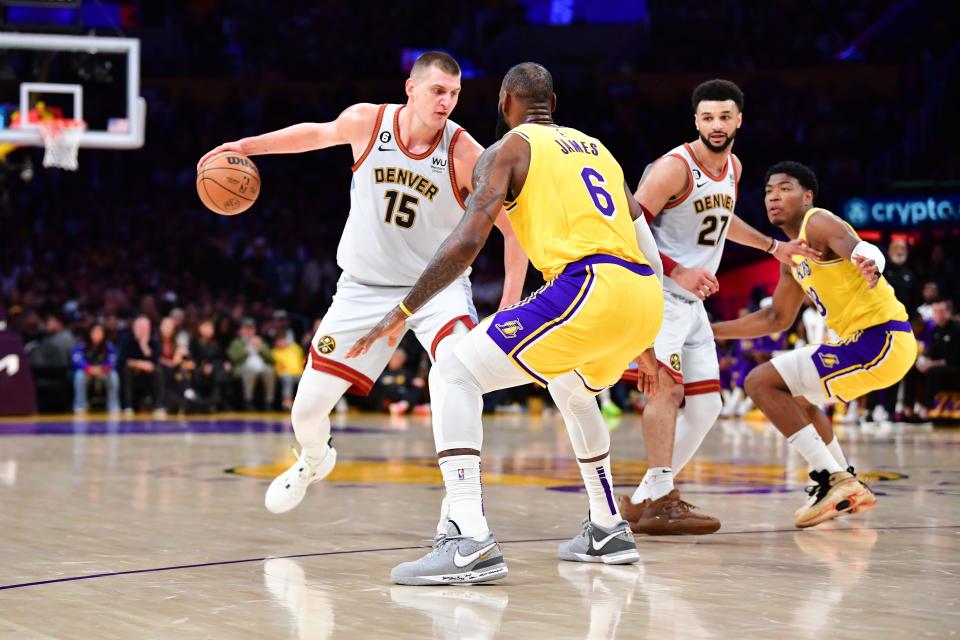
(61, 139)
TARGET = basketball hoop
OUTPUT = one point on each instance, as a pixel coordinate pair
(61, 139)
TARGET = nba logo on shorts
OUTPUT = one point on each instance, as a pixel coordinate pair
(460, 474)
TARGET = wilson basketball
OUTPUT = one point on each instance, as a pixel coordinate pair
(228, 183)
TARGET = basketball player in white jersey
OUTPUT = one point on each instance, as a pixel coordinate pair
(689, 195)
(411, 176)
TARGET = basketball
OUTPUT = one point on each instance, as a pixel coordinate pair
(228, 183)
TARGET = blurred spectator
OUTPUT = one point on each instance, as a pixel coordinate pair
(288, 365)
(53, 350)
(252, 361)
(95, 362)
(138, 360)
(48, 350)
(399, 387)
(209, 374)
(940, 365)
(899, 275)
(929, 295)
(176, 366)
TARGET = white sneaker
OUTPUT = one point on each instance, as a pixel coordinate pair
(288, 489)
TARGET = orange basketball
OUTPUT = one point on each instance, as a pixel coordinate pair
(228, 183)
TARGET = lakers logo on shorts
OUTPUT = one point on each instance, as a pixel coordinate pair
(829, 360)
(675, 361)
(510, 328)
(326, 345)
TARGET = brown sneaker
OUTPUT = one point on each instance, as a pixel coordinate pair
(666, 516)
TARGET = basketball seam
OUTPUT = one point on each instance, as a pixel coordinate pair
(203, 171)
(227, 190)
(227, 153)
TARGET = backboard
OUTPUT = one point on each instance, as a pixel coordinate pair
(91, 78)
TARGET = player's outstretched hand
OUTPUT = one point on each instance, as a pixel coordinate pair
(648, 380)
(391, 326)
(868, 269)
(226, 146)
(699, 282)
(797, 247)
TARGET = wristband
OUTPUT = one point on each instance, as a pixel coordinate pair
(774, 245)
(406, 311)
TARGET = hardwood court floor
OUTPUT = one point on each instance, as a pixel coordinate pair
(140, 529)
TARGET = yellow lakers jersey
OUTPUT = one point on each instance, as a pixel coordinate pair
(840, 292)
(573, 202)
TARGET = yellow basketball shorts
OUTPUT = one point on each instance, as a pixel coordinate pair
(594, 319)
(874, 358)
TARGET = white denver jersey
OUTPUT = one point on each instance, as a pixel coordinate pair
(402, 206)
(692, 229)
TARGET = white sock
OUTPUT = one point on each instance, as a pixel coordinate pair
(808, 443)
(599, 483)
(461, 475)
(837, 452)
(657, 482)
(315, 455)
(693, 423)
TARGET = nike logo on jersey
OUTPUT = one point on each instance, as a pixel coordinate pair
(382, 148)
(462, 561)
(597, 546)
(700, 184)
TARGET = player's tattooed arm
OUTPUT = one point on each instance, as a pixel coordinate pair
(491, 178)
(787, 299)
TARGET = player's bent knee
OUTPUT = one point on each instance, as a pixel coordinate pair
(763, 378)
(670, 389)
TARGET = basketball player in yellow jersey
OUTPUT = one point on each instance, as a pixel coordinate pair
(600, 309)
(875, 350)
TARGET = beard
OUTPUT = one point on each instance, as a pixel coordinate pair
(502, 126)
(717, 149)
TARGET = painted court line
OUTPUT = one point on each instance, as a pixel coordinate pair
(380, 550)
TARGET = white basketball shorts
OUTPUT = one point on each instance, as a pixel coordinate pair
(358, 307)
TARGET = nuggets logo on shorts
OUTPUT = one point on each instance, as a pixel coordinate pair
(510, 328)
(326, 345)
(675, 361)
(829, 360)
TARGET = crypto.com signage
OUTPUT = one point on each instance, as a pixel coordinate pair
(902, 212)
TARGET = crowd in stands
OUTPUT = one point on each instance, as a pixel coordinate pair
(132, 296)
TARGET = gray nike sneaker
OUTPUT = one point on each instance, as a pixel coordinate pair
(596, 544)
(454, 559)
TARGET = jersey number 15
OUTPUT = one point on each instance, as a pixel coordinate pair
(400, 208)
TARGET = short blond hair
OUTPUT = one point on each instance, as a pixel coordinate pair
(439, 59)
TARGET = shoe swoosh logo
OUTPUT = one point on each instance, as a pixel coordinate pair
(462, 561)
(597, 546)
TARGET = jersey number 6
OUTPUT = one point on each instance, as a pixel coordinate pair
(602, 199)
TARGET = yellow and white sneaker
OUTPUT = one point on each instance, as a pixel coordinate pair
(834, 494)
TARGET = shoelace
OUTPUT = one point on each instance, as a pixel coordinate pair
(303, 467)
(683, 505)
